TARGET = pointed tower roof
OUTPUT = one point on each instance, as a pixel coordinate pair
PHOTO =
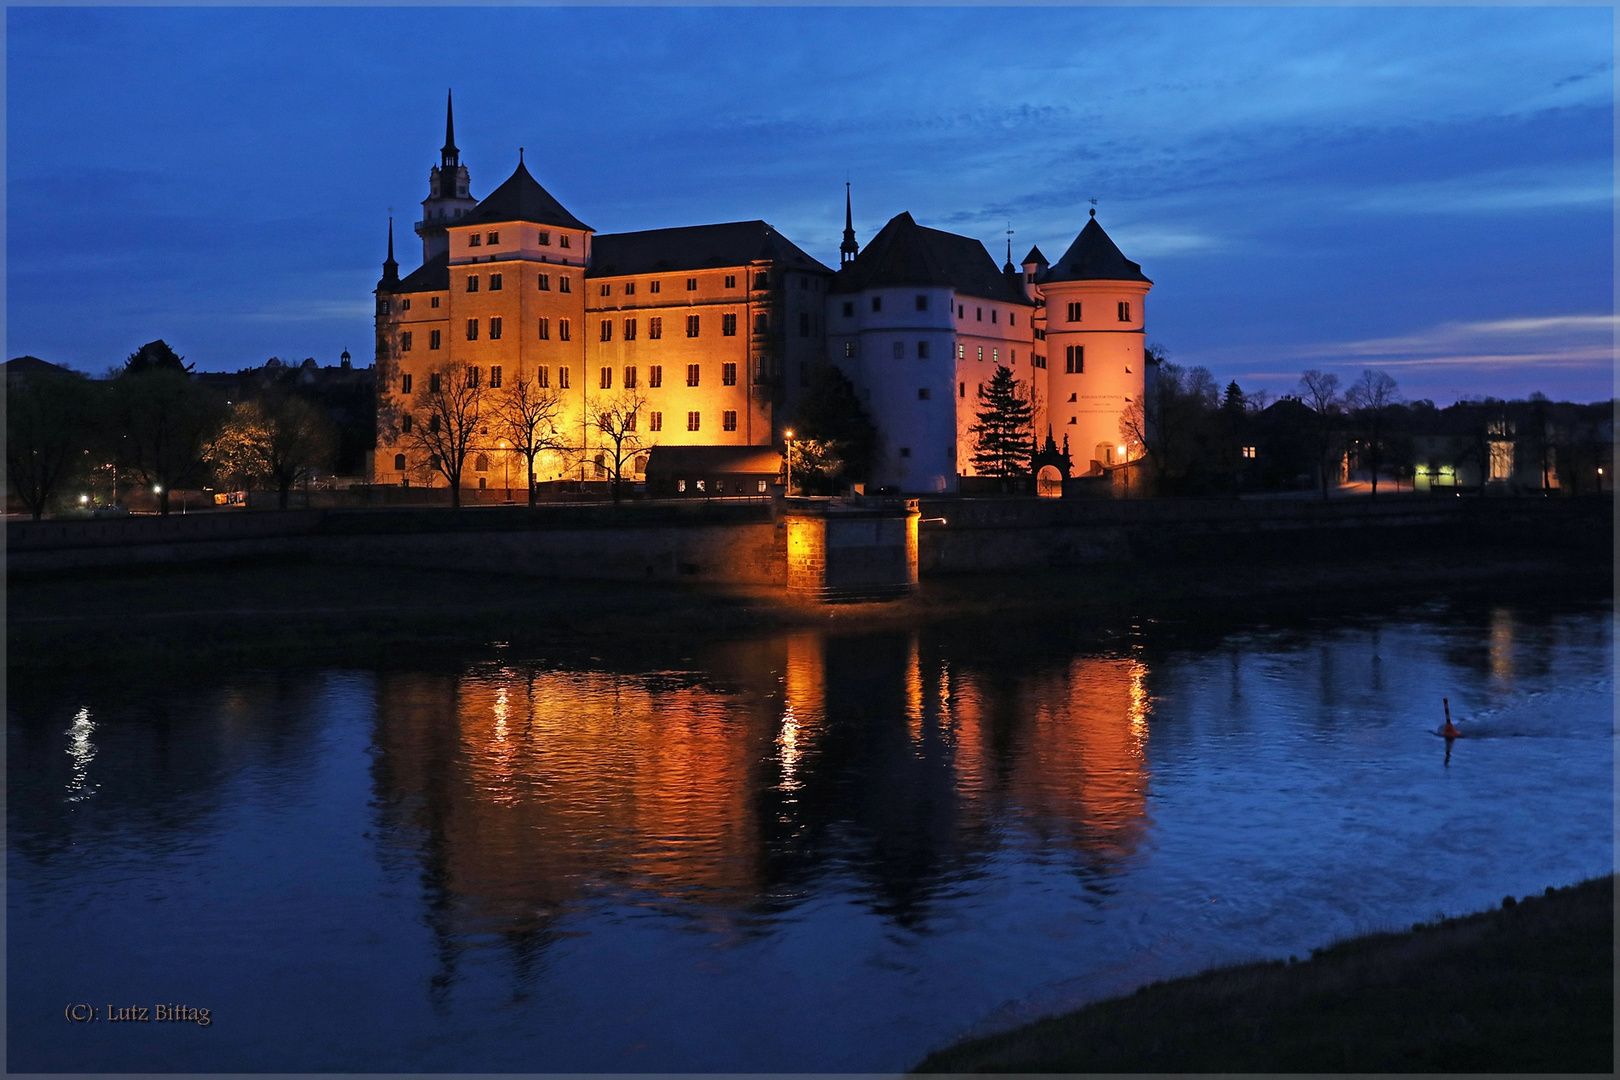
(1034, 256)
(905, 253)
(1094, 257)
(390, 277)
(521, 198)
(450, 154)
(849, 248)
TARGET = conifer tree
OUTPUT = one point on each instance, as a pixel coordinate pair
(1002, 438)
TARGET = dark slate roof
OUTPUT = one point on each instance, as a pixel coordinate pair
(431, 276)
(521, 198)
(695, 247)
(31, 365)
(1034, 256)
(905, 253)
(1093, 257)
(699, 461)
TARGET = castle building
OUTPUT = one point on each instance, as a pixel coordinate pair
(712, 332)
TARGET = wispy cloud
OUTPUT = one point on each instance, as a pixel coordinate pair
(1558, 341)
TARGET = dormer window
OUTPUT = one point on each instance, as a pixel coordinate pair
(475, 240)
(545, 239)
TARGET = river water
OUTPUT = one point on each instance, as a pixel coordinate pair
(789, 853)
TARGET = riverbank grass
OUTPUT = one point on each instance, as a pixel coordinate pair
(1527, 988)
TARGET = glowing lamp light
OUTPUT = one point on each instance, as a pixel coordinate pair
(157, 489)
(83, 499)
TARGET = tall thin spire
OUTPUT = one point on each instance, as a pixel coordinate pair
(390, 267)
(449, 155)
(849, 248)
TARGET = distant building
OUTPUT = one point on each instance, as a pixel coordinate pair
(718, 329)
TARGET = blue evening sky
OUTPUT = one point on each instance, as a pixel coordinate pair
(1427, 191)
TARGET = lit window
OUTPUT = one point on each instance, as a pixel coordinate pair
(728, 325)
(691, 374)
(405, 342)
(1249, 451)
(693, 421)
(981, 352)
(494, 283)
(728, 374)
(849, 348)
(961, 352)
(728, 420)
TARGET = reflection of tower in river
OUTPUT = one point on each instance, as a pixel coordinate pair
(523, 793)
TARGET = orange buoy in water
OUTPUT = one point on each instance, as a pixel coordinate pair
(1450, 730)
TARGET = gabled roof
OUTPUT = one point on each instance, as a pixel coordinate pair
(1093, 257)
(905, 253)
(521, 198)
(431, 276)
(694, 247)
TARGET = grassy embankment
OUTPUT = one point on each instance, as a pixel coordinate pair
(295, 612)
(1529, 988)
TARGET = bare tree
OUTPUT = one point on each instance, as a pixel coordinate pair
(616, 419)
(50, 420)
(163, 421)
(446, 422)
(1369, 399)
(281, 438)
(526, 414)
(1320, 392)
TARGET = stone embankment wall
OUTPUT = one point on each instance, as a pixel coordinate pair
(746, 542)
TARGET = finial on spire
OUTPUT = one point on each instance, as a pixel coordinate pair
(520, 155)
(1093, 207)
(390, 267)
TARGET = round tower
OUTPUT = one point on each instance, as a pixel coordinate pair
(1095, 298)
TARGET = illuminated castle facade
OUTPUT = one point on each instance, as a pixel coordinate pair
(715, 330)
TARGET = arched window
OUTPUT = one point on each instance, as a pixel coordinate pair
(399, 462)
(481, 463)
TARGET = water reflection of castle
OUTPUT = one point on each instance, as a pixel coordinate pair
(524, 792)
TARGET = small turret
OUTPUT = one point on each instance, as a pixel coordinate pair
(1035, 265)
(449, 191)
(390, 276)
(849, 248)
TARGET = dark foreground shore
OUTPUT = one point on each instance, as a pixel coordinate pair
(1527, 988)
(301, 612)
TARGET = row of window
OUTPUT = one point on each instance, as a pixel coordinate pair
(543, 238)
(1123, 309)
(655, 376)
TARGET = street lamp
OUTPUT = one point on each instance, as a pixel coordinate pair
(788, 434)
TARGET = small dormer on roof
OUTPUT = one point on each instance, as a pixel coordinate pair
(1093, 257)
